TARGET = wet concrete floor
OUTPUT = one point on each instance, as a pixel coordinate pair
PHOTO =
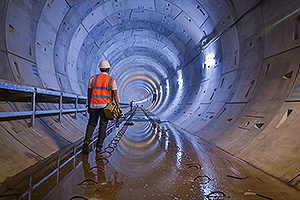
(150, 160)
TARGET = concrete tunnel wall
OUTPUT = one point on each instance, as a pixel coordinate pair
(244, 102)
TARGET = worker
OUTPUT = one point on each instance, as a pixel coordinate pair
(100, 87)
(131, 104)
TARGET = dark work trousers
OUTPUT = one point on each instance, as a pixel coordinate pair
(93, 120)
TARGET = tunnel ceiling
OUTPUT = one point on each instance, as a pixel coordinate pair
(179, 59)
(146, 42)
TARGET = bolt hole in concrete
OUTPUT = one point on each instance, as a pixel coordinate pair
(284, 117)
(288, 75)
(229, 120)
(259, 125)
(11, 28)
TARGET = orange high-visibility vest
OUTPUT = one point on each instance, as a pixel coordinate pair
(101, 85)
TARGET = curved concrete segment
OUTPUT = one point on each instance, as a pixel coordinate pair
(223, 70)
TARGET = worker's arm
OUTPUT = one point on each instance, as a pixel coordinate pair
(115, 96)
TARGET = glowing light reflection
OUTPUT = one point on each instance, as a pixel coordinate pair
(180, 79)
(167, 86)
(178, 143)
(210, 60)
(284, 18)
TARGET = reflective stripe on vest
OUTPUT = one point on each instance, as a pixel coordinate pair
(101, 86)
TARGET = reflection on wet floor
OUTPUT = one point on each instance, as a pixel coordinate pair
(150, 160)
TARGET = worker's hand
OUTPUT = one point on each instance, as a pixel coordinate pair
(120, 110)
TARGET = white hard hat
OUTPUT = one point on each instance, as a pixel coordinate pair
(104, 65)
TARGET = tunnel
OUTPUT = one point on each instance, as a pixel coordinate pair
(214, 86)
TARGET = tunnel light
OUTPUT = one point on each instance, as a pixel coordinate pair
(210, 60)
(167, 86)
(180, 80)
(142, 100)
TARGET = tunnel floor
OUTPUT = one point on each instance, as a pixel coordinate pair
(152, 159)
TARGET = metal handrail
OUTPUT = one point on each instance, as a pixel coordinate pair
(34, 91)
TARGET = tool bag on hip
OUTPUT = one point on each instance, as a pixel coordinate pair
(111, 110)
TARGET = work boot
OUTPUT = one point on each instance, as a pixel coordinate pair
(85, 148)
(117, 123)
